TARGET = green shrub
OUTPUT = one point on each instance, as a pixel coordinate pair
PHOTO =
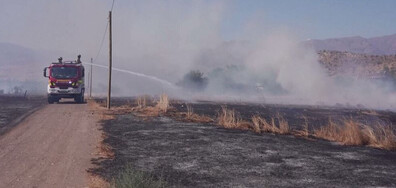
(130, 178)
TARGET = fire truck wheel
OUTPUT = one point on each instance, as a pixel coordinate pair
(50, 100)
(82, 96)
(79, 98)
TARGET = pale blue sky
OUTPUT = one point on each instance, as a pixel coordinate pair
(46, 23)
(317, 19)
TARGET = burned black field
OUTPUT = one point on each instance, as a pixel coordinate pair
(189, 154)
(296, 115)
(13, 108)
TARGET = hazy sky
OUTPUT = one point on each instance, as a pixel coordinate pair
(314, 19)
(167, 39)
(318, 19)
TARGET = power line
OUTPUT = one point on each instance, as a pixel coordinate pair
(101, 43)
(104, 34)
(112, 5)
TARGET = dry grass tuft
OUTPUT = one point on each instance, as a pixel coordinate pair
(106, 150)
(145, 106)
(141, 101)
(387, 138)
(264, 126)
(354, 133)
(193, 117)
(96, 181)
(284, 127)
(381, 136)
(200, 118)
(257, 124)
(349, 134)
(305, 131)
(149, 111)
(163, 103)
(229, 119)
(329, 132)
(190, 111)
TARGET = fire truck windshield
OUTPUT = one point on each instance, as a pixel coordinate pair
(64, 72)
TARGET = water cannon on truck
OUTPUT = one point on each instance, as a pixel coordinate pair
(65, 80)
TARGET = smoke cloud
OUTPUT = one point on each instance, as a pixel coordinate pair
(168, 39)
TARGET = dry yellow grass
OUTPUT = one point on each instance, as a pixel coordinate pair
(305, 131)
(354, 133)
(256, 120)
(284, 127)
(229, 119)
(328, 132)
(103, 150)
(381, 136)
(261, 124)
(349, 134)
(199, 118)
(141, 101)
(193, 117)
(149, 111)
(190, 111)
(163, 103)
(144, 105)
(96, 181)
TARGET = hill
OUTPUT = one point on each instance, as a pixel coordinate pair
(358, 65)
(383, 45)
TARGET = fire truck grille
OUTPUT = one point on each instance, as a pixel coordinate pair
(63, 87)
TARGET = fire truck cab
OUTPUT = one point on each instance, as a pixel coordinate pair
(65, 80)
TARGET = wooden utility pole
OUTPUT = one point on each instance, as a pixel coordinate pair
(90, 80)
(110, 64)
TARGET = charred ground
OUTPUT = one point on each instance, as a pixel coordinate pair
(195, 154)
(14, 107)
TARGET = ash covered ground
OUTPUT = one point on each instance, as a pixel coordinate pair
(13, 107)
(205, 155)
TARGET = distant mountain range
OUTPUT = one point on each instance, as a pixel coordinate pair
(19, 63)
(383, 45)
(11, 54)
(358, 65)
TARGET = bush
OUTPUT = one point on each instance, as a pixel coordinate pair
(130, 178)
(194, 80)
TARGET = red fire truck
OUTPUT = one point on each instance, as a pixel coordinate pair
(66, 80)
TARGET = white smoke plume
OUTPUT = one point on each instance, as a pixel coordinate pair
(167, 39)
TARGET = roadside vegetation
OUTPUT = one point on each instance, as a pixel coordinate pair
(350, 131)
(346, 132)
(131, 178)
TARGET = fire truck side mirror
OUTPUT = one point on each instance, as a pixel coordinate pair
(83, 73)
(45, 72)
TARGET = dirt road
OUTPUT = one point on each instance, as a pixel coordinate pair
(51, 148)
